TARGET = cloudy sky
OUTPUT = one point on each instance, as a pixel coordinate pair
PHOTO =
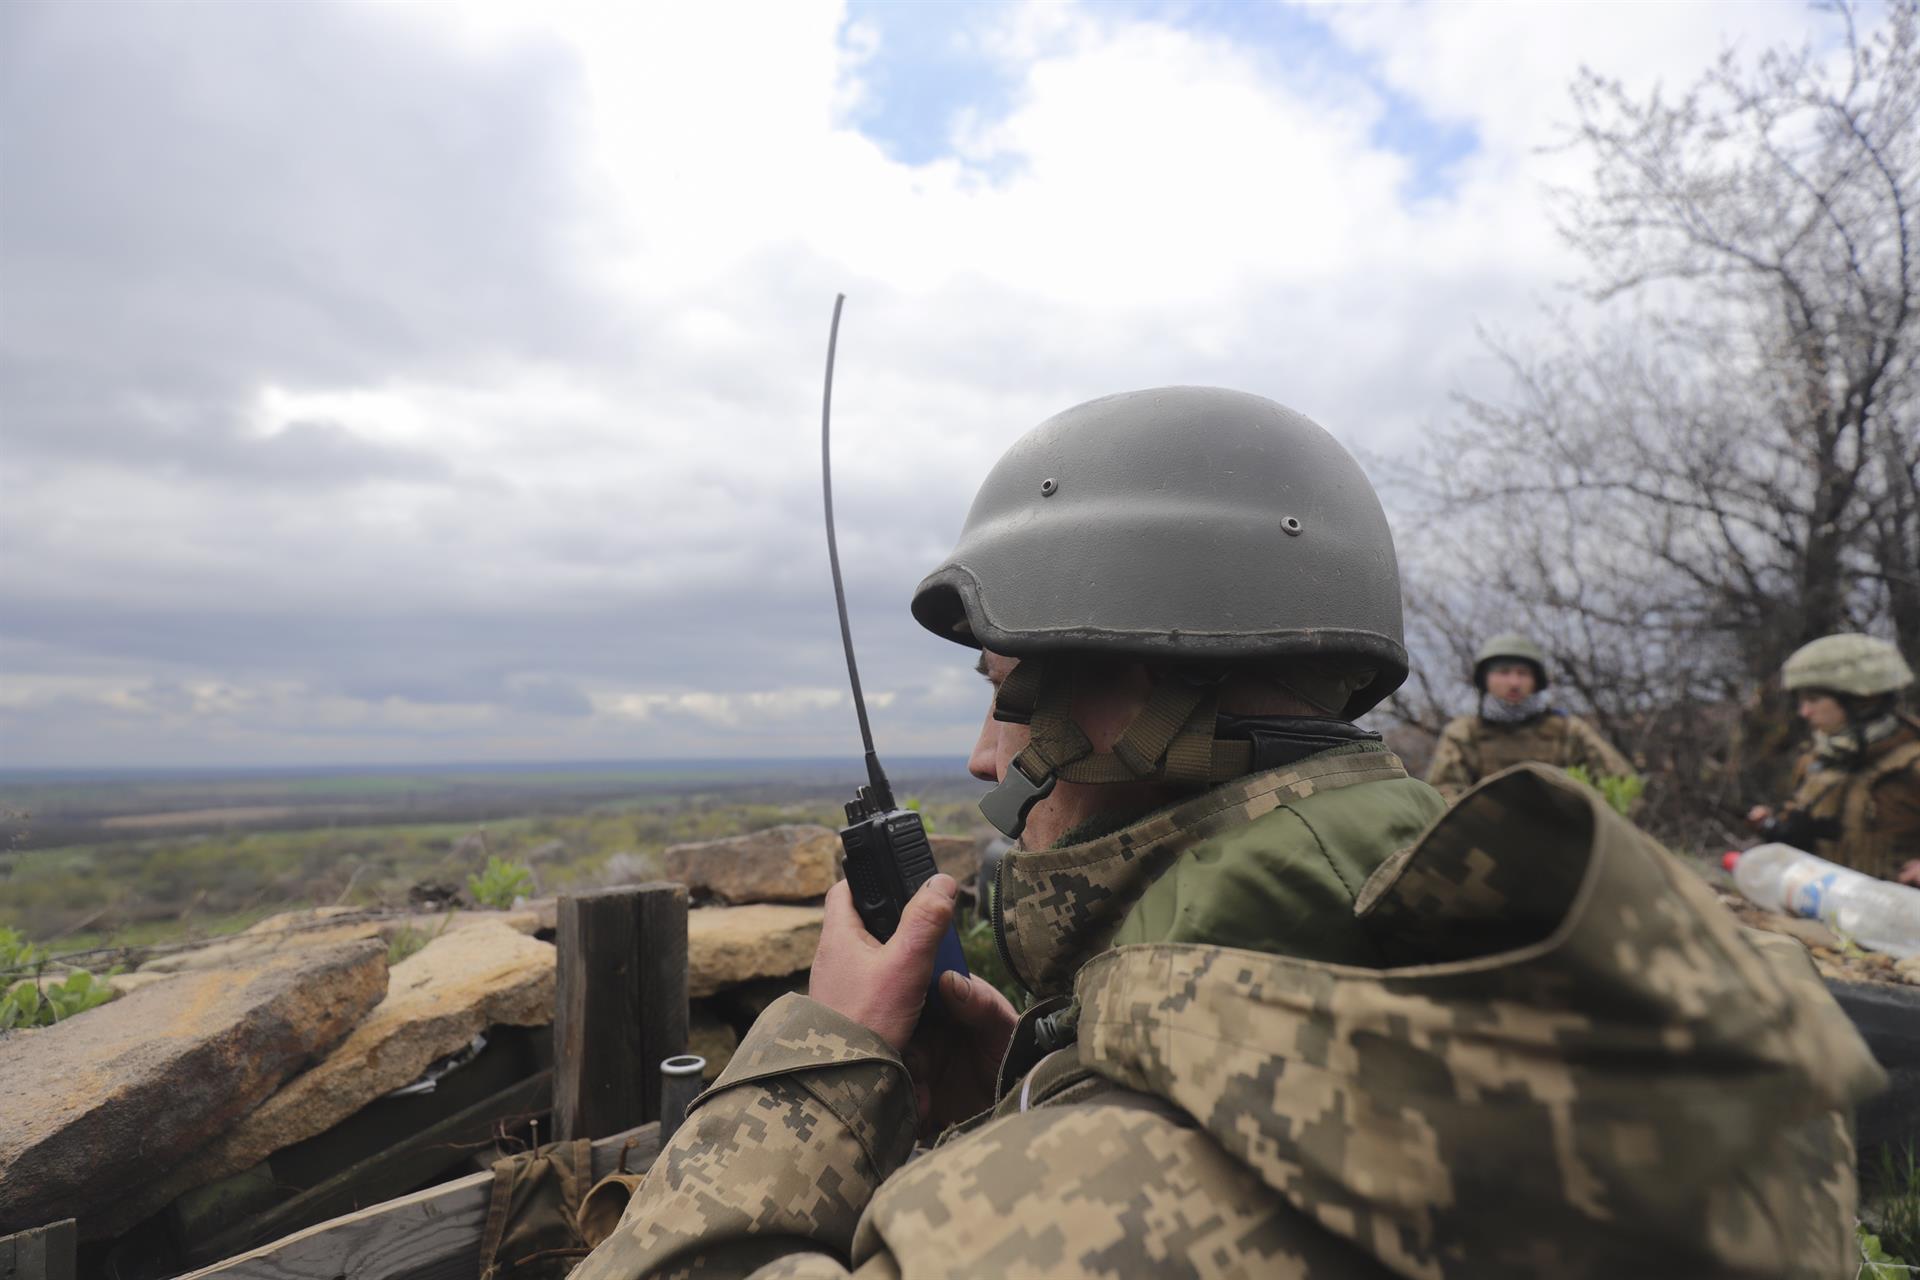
(417, 382)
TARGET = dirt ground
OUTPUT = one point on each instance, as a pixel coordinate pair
(1834, 957)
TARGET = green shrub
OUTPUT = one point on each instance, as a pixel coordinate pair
(1620, 793)
(1875, 1262)
(35, 1002)
(500, 883)
(1890, 1210)
(926, 819)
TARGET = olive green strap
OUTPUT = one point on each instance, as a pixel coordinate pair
(1056, 741)
(1190, 754)
(1170, 708)
(1018, 696)
(1176, 723)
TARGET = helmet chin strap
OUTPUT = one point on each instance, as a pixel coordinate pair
(1171, 739)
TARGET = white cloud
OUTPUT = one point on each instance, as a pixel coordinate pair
(621, 511)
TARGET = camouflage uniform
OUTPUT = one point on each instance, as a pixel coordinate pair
(1472, 748)
(1856, 796)
(1577, 1065)
(1866, 816)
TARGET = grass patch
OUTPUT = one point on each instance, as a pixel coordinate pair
(1890, 1209)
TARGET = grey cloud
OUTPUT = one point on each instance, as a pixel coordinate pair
(201, 200)
(547, 696)
(204, 198)
(317, 452)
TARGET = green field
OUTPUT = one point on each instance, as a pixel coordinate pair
(168, 861)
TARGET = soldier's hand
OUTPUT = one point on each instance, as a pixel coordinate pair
(881, 986)
(1910, 874)
(1758, 815)
(954, 1059)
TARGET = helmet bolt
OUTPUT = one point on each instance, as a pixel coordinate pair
(1292, 525)
(1049, 487)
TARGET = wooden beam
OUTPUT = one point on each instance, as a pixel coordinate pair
(429, 1235)
(620, 1005)
(381, 1177)
(44, 1253)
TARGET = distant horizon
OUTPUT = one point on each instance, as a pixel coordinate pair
(728, 764)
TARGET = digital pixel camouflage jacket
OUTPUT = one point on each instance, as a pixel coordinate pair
(1471, 748)
(1577, 1064)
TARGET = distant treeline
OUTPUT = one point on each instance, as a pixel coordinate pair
(51, 811)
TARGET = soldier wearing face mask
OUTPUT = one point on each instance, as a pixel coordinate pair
(1515, 722)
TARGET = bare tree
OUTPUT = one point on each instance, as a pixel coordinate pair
(1720, 460)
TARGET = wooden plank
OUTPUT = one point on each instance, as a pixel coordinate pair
(620, 1005)
(429, 1235)
(406, 1164)
(44, 1253)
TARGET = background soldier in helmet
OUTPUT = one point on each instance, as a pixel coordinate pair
(1515, 722)
(1278, 1030)
(1856, 790)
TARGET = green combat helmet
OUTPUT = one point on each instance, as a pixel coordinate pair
(1510, 647)
(1189, 527)
(1860, 666)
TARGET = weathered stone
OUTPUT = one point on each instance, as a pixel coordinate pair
(779, 864)
(460, 983)
(958, 856)
(123, 983)
(709, 1036)
(729, 945)
(328, 926)
(286, 933)
(1810, 933)
(102, 1105)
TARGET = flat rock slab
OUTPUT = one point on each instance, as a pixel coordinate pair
(958, 856)
(730, 945)
(328, 926)
(109, 1101)
(780, 864)
(461, 983)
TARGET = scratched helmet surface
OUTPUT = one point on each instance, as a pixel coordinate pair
(1510, 646)
(1177, 524)
(1862, 666)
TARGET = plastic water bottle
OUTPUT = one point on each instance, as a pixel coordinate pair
(1877, 914)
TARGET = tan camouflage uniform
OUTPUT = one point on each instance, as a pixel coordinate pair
(1875, 805)
(1580, 1067)
(1471, 749)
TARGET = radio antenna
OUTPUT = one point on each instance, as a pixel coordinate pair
(882, 794)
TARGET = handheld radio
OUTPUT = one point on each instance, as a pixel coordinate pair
(887, 853)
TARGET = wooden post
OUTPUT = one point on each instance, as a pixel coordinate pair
(44, 1253)
(620, 1006)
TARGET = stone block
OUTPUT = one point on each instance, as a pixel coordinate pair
(780, 864)
(958, 856)
(105, 1104)
(730, 945)
(328, 926)
(460, 983)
